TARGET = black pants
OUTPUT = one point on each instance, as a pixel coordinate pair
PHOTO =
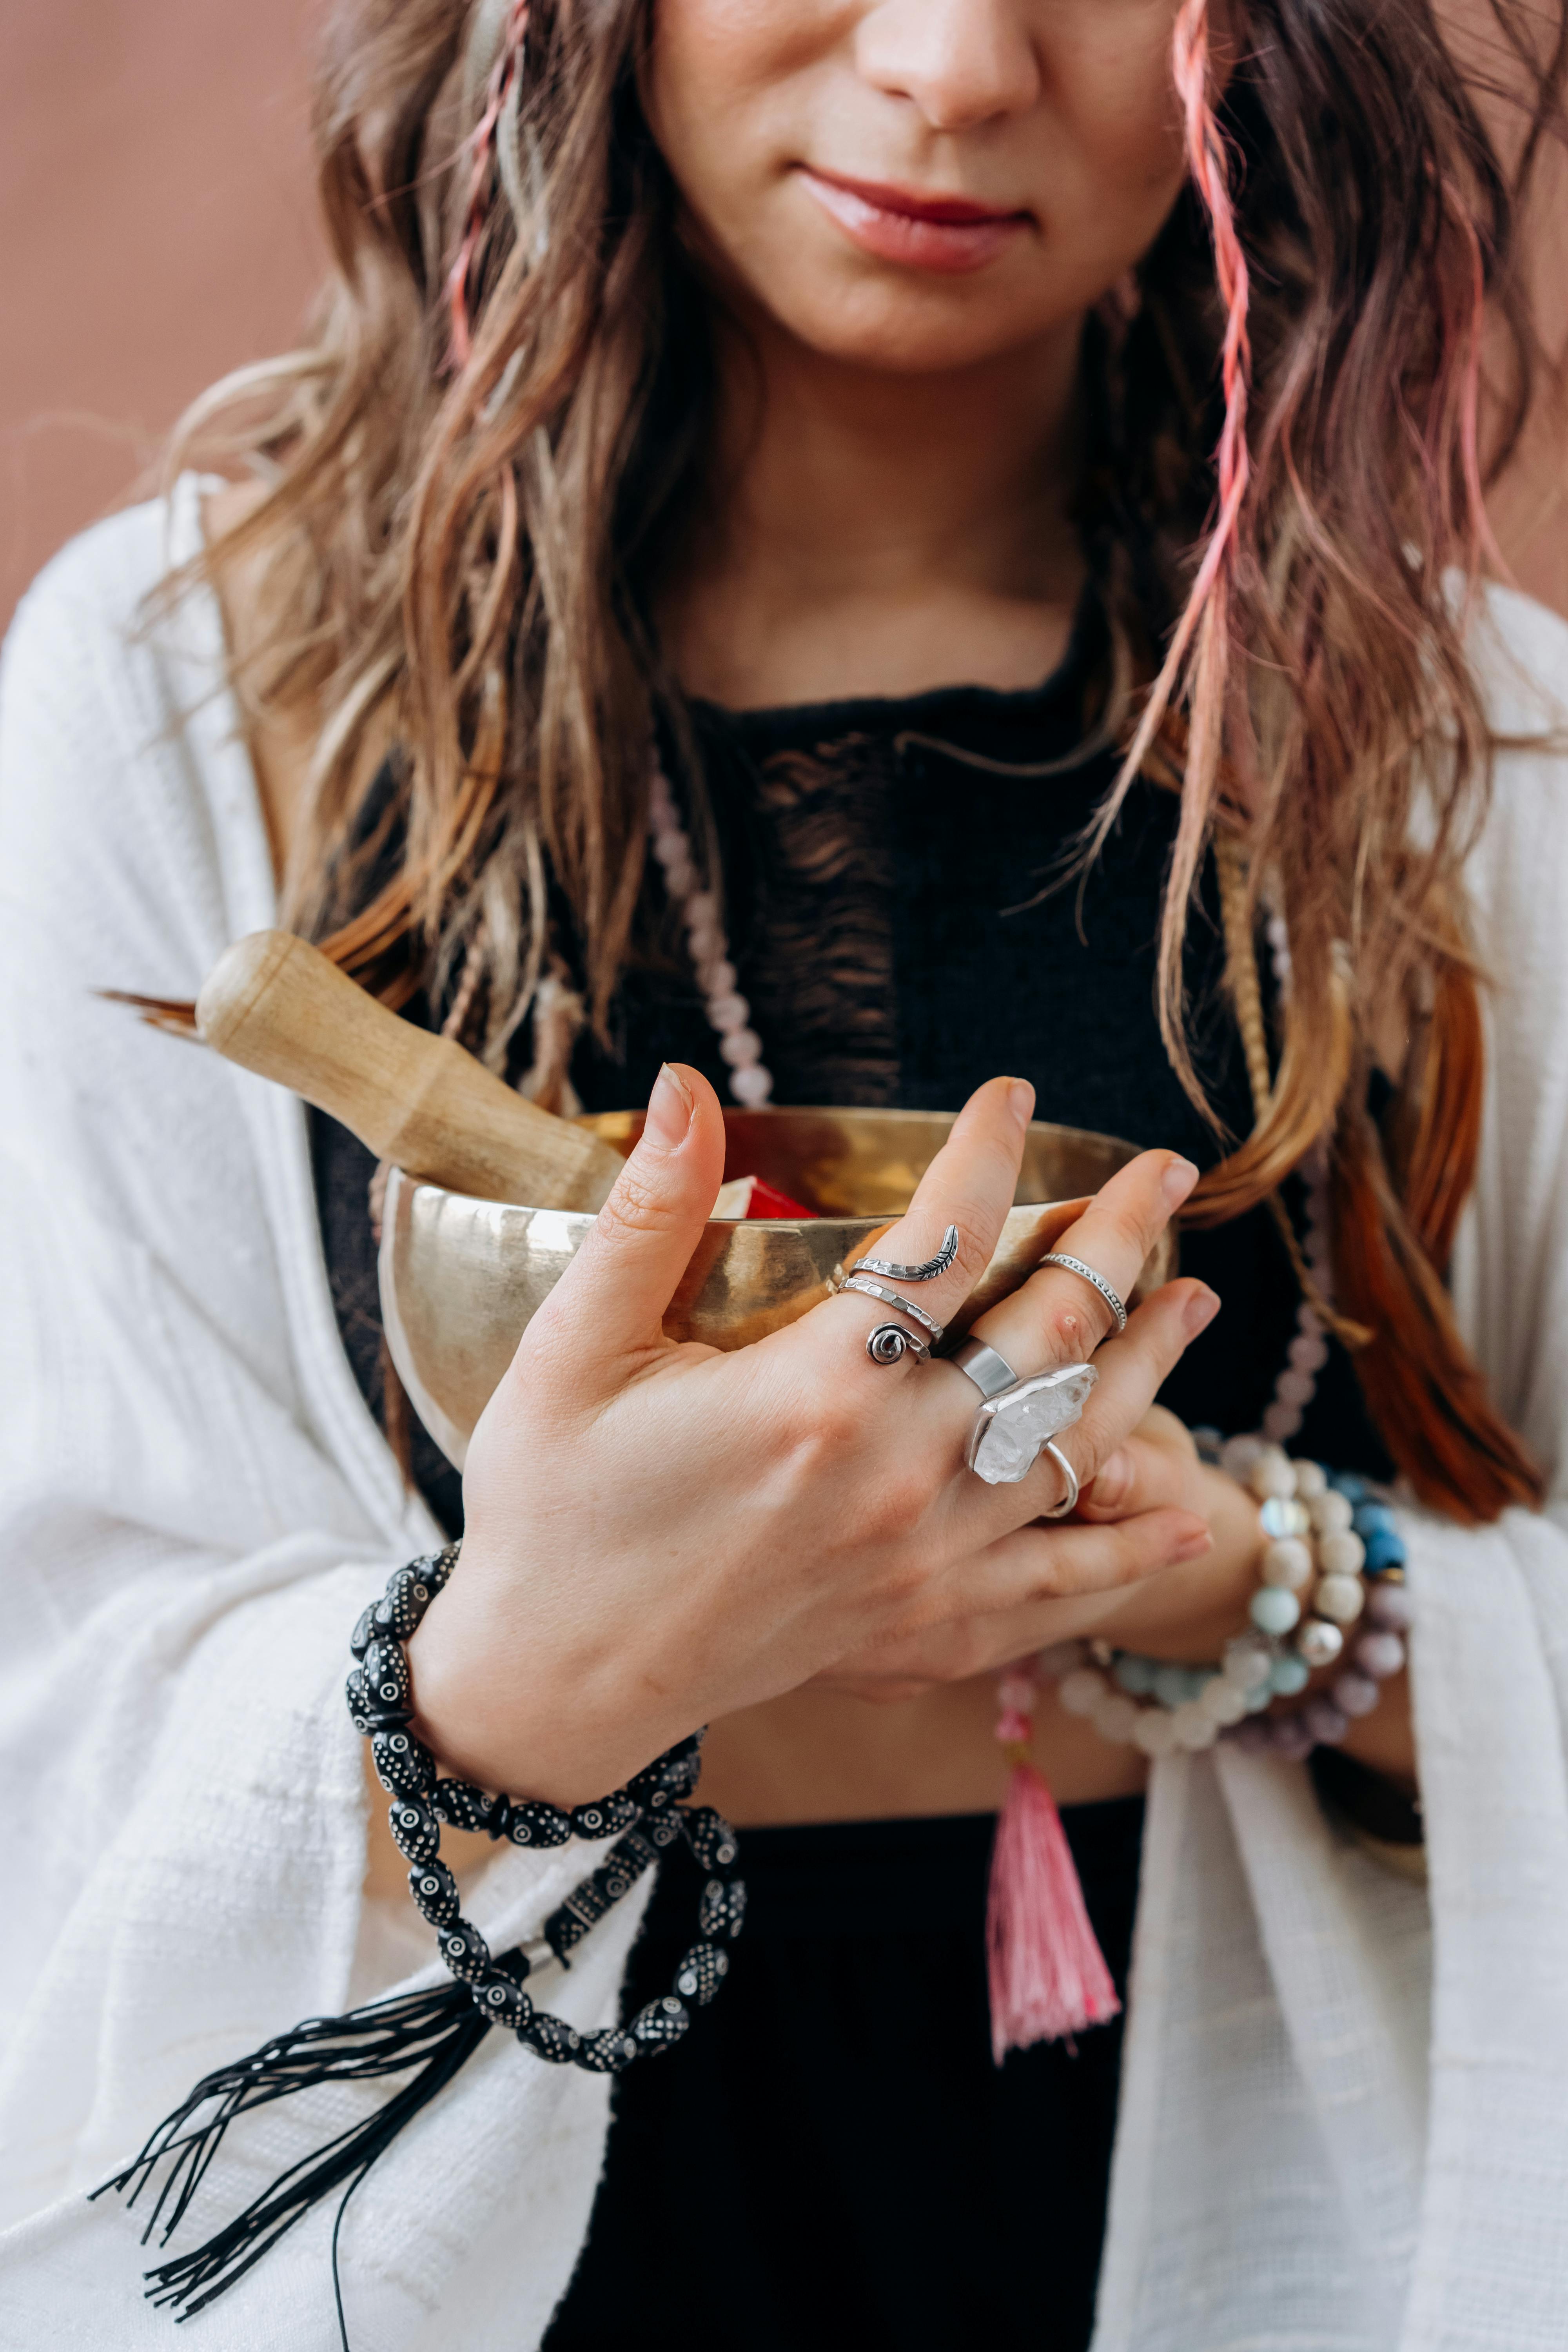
(831, 2155)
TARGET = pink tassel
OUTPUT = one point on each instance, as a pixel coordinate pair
(1047, 1975)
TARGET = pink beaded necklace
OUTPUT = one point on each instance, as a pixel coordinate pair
(750, 1081)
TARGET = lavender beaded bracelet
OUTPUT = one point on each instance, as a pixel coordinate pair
(643, 1818)
(1358, 1573)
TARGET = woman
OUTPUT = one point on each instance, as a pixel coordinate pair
(725, 418)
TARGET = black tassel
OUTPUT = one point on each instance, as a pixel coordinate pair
(435, 2031)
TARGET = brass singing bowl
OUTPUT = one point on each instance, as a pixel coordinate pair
(460, 1277)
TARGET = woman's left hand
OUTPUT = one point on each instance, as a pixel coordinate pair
(1188, 1610)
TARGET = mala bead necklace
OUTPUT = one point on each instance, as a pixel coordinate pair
(1047, 1975)
(643, 1818)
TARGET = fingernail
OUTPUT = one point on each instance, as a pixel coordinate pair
(1177, 1182)
(668, 1111)
(1111, 1481)
(1200, 1310)
(1194, 1545)
(1021, 1100)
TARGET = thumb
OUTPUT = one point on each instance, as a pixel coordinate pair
(611, 1300)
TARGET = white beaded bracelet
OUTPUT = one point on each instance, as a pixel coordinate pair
(1310, 1520)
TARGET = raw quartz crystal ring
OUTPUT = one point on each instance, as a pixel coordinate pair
(1018, 1419)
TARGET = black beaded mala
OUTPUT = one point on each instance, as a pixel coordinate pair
(436, 2032)
(381, 1704)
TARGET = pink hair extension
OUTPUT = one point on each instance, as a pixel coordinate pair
(481, 145)
(1208, 607)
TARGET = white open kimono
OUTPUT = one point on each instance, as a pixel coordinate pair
(1345, 2123)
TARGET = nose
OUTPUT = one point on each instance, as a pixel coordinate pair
(962, 62)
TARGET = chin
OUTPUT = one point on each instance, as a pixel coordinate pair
(909, 330)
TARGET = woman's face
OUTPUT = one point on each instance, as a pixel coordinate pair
(918, 185)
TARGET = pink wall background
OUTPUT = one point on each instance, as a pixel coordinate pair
(157, 228)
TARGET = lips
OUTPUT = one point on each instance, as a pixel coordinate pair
(950, 234)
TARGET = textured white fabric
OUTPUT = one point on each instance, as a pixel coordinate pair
(1345, 2114)
(195, 1505)
(1345, 2098)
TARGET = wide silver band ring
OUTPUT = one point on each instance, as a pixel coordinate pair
(1076, 1265)
(883, 1345)
(991, 1373)
(1018, 1419)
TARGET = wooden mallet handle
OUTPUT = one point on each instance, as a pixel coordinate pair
(277, 1005)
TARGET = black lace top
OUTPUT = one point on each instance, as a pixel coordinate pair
(890, 917)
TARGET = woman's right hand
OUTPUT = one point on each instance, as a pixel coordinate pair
(660, 1533)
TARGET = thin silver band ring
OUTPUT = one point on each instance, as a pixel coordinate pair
(1069, 1500)
(1076, 1265)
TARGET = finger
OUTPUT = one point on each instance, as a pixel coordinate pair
(954, 1648)
(1132, 1372)
(1142, 1474)
(1163, 1428)
(610, 1303)
(1033, 1566)
(1058, 1318)
(970, 1186)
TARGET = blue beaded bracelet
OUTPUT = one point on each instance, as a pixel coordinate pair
(1195, 1706)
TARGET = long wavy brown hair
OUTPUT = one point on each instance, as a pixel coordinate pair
(473, 467)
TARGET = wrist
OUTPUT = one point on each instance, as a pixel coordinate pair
(1190, 1611)
(499, 1706)
(1326, 1551)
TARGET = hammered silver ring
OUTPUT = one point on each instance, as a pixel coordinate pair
(1076, 1265)
(890, 1342)
(879, 1346)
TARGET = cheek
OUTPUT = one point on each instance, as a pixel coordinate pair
(1119, 164)
(714, 78)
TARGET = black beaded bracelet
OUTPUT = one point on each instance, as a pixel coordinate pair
(644, 1817)
(431, 2034)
